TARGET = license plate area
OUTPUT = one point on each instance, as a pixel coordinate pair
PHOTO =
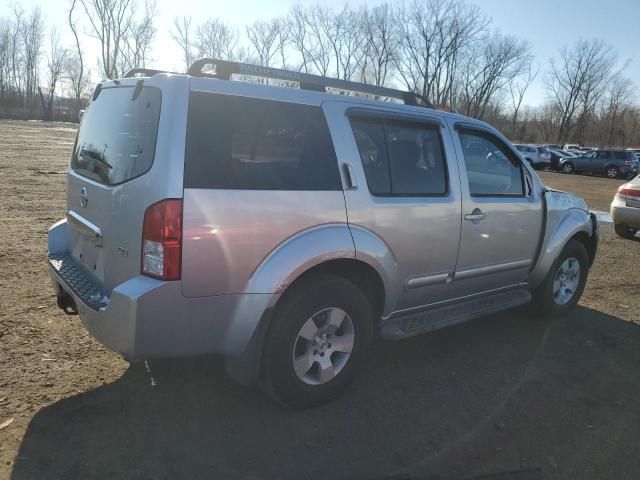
(86, 250)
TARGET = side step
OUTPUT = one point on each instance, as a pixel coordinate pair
(444, 316)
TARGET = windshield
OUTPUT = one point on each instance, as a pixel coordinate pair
(117, 137)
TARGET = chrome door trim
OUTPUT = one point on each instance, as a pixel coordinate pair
(85, 228)
(489, 269)
(427, 280)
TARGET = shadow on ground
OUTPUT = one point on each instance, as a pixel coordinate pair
(506, 392)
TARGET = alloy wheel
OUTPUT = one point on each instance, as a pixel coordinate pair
(323, 346)
(566, 282)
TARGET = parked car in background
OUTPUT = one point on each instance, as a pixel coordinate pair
(572, 147)
(553, 146)
(537, 156)
(282, 228)
(625, 209)
(611, 162)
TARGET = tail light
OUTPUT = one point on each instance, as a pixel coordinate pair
(162, 240)
(628, 192)
(629, 162)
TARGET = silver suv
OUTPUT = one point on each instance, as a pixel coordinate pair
(283, 228)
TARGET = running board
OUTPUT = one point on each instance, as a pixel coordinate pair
(439, 317)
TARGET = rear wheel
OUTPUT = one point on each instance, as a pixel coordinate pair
(564, 284)
(612, 172)
(624, 231)
(318, 339)
(567, 168)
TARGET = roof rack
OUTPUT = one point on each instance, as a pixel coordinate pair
(223, 70)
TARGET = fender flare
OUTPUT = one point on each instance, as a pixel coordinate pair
(570, 224)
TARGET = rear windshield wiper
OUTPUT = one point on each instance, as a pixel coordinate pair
(89, 156)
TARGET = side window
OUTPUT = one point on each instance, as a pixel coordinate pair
(491, 169)
(620, 155)
(604, 155)
(401, 158)
(253, 144)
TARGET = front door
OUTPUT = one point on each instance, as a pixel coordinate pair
(502, 216)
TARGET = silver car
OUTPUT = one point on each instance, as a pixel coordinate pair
(625, 209)
(283, 228)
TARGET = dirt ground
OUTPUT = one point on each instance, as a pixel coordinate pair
(509, 392)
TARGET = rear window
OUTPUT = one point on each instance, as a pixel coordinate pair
(117, 137)
(253, 144)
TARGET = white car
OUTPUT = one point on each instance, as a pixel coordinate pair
(625, 209)
(537, 156)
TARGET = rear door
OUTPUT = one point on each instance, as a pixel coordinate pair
(502, 216)
(599, 161)
(128, 155)
(405, 191)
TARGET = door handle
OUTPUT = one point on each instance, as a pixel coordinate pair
(475, 216)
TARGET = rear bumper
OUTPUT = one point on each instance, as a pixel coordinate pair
(620, 213)
(147, 318)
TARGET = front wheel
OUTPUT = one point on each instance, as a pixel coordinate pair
(567, 168)
(316, 342)
(612, 172)
(563, 286)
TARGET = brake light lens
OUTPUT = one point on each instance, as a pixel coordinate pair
(628, 192)
(162, 240)
(629, 162)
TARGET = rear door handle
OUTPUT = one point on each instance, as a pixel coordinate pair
(475, 216)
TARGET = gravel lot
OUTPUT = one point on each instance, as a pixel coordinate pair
(503, 393)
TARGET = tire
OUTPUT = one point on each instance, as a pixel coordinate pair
(550, 298)
(317, 300)
(624, 231)
(612, 172)
(568, 168)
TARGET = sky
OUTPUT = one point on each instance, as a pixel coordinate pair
(546, 24)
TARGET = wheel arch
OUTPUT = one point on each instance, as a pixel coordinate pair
(322, 250)
(563, 225)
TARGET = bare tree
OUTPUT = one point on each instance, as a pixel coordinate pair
(380, 44)
(110, 21)
(432, 37)
(137, 44)
(77, 64)
(518, 88)
(77, 79)
(575, 82)
(618, 98)
(488, 68)
(216, 39)
(31, 31)
(55, 62)
(267, 40)
(181, 34)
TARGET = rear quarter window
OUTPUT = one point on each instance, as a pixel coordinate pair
(117, 137)
(254, 144)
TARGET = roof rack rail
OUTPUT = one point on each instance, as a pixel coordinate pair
(143, 72)
(223, 69)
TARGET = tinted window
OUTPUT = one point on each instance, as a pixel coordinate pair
(604, 155)
(117, 137)
(491, 169)
(620, 155)
(244, 143)
(401, 158)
